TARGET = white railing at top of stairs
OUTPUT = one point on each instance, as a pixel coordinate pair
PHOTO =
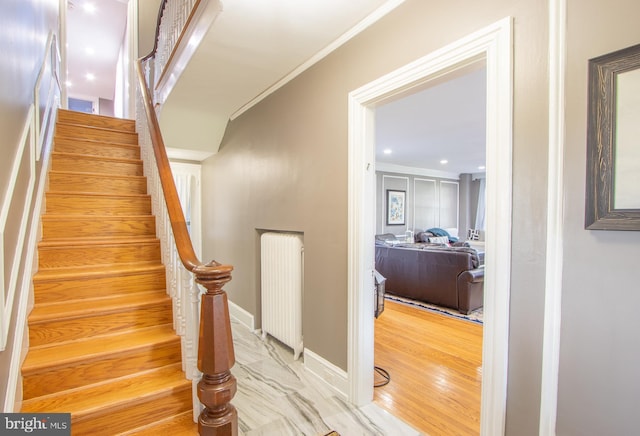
(182, 25)
(174, 19)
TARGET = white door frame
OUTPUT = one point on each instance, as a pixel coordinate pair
(494, 45)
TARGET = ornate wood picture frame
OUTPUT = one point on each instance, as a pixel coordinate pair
(613, 142)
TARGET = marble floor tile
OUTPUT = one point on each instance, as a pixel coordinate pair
(277, 397)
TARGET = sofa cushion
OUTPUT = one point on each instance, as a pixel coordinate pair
(383, 237)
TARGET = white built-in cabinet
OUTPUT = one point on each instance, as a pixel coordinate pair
(448, 201)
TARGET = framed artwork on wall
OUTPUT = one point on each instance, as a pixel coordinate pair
(396, 207)
(613, 144)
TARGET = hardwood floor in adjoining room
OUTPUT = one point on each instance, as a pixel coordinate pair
(435, 364)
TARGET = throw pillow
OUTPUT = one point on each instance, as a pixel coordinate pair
(439, 240)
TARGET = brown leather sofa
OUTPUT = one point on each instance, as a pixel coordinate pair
(446, 276)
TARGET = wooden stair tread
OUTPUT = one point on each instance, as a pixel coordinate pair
(62, 217)
(100, 175)
(178, 425)
(95, 195)
(103, 241)
(111, 270)
(98, 143)
(62, 154)
(53, 241)
(96, 128)
(92, 306)
(74, 117)
(121, 392)
(84, 131)
(63, 354)
(113, 227)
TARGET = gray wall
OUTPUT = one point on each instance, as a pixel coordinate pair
(23, 50)
(599, 386)
(147, 23)
(283, 165)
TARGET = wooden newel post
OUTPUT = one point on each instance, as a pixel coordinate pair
(215, 354)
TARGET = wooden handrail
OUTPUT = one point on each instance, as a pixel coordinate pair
(215, 344)
(174, 208)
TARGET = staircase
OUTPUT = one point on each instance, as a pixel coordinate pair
(101, 341)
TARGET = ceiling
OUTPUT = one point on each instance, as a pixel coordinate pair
(94, 39)
(442, 127)
(253, 46)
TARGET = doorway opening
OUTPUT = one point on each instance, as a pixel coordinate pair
(187, 178)
(430, 147)
(493, 45)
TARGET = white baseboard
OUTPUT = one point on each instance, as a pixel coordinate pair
(245, 318)
(335, 377)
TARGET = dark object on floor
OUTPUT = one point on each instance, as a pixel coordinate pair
(385, 375)
(379, 293)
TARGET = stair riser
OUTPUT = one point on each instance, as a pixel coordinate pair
(104, 227)
(84, 205)
(72, 182)
(72, 117)
(56, 379)
(64, 257)
(64, 329)
(106, 422)
(102, 149)
(63, 290)
(95, 134)
(82, 164)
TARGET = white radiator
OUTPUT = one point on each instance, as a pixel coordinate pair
(281, 283)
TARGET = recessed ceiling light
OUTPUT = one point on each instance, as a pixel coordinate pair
(89, 8)
(90, 51)
(68, 83)
(481, 167)
(444, 161)
(387, 151)
(90, 77)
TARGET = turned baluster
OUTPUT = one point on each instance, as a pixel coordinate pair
(215, 354)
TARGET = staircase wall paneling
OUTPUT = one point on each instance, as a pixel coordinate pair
(19, 215)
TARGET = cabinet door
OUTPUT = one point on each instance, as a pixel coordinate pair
(426, 204)
(449, 204)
